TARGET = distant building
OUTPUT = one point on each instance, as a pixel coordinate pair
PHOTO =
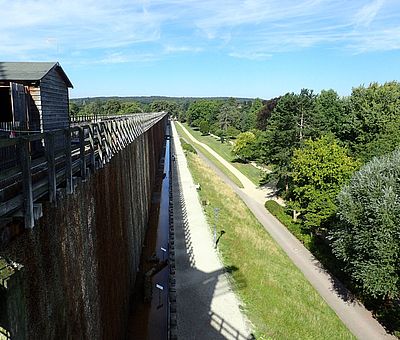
(34, 96)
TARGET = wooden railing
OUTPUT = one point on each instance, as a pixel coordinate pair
(87, 144)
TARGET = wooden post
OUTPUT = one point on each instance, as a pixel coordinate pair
(68, 162)
(51, 166)
(25, 161)
(82, 152)
(91, 141)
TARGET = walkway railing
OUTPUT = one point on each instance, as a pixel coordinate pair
(47, 161)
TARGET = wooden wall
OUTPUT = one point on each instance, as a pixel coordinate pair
(54, 101)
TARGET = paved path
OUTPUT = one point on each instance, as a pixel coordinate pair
(207, 308)
(353, 314)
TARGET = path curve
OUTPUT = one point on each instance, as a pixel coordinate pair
(261, 194)
(352, 313)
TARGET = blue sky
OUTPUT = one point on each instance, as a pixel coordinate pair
(250, 48)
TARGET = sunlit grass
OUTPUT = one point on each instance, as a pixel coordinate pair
(220, 166)
(278, 300)
(225, 151)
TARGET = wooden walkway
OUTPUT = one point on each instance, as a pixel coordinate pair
(88, 144)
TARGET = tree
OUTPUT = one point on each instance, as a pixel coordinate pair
(74, 109)
(244, 148)
(264, 114)
(112, 107)
(130, 107)
(202, 110)
(330, 113)
(204, 127)
(228, 114)
(318, 170)
(290, 122)
(248, 115)
(372, 125)
(367, 238)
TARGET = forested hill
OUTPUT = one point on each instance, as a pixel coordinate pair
(151, 99)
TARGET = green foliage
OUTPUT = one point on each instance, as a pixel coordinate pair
(228, 114)
(244, 148)
(111, 107)
(187, 147)
(319, 169)
(368, 235)
(294, 227)
(202, 110)
(130, 107)
(372, 126)
(204, 127)
(329, 113)
(232, 132)
(248, 116)
(73, 109)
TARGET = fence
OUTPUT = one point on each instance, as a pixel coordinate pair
(86, 145)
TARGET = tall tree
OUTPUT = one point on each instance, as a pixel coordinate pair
(373, 122)
(290, 122)
(367, 238)
(329, 113)
(318, 170)
(228, 114)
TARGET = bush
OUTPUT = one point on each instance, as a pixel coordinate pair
(294, 227)
(204, 127)
(187, 146)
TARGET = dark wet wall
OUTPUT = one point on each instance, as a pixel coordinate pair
(80, 260)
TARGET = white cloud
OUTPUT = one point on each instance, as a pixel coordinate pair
(367, 13)
(116, 31)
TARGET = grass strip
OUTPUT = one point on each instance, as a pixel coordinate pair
(279, 301)
(220, 166)
(225, 151)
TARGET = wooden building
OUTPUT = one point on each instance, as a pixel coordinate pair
(33, 96)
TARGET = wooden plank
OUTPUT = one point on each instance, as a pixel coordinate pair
(25, 161)
(51, 166)
(91, 144)
(68, 162)
(82, 156)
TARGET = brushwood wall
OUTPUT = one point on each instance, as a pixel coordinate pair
(79, 262)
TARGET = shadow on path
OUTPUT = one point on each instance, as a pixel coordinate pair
(196, 289)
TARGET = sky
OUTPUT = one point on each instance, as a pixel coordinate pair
(208, 48)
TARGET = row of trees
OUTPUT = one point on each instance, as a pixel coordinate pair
(334, 160)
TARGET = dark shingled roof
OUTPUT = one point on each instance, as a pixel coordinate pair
(29, 71)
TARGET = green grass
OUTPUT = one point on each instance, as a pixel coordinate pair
(225, 151)
(187, 147)
(220, 166)
(279, 301)
(295, 228)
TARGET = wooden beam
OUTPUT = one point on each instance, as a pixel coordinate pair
(25, 161)
(68, 162)
(82, 156)
(51, 166)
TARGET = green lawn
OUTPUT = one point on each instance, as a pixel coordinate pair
(220, 166)
(279, 301)
(224, 150)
